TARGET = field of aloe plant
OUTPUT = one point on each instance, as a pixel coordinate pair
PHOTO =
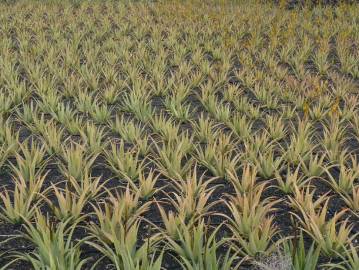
(179, 135)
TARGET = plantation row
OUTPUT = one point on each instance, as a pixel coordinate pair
(168, 135)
